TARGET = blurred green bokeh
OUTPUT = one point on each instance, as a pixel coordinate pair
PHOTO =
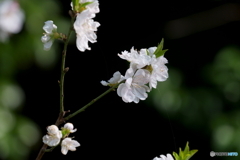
(215, 108)
(20, 52)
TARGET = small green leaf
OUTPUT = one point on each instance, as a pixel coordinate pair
(79, 7)
(186, 154)
(75, 4)
(85, 4)
(159, 51)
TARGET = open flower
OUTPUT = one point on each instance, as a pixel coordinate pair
(49, 35)
(146, 59)
(140, 59)
(69, 126)
(67, 129)
(157, 67)
(85, 30)
(69, 144)
(162, 157)
(159, 71)
(117, 77)
(135, 86)
(53, 137)
(85, 27)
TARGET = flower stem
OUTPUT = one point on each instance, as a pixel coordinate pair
(61, 83)
(90, 103)
(63, 69)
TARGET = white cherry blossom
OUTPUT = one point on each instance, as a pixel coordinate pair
(163, 157)
(159, 71)
(140, 59)
(48, 36)
(69, 144)
(53, 137)
(85, 27)
(117, 77)
(146, 59)
(69, 126)
(134, 89)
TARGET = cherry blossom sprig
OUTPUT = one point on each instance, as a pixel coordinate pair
(56, 137)
(147, 68)
(84, 27)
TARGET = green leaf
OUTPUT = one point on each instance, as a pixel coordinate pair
(159, 51)
(186, 154)
(79, 7)
(75, 4)
(85, 4)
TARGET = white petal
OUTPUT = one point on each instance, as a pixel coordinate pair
(169, 157)
(82, 43)
(59, 135)
(119, 89)
(136, 100)
(151, 50)
(153, 82)
(64, 150)
(162, 73)
(45, 38)
(48, 45)
(45, 139)
(127, 95)
(104, 83)
(53, 141)
(128, 82)
(75, 143)
(117, 77)
(68, 126)
(52, 130)
(130, 72)
(125, 92)
(141, 77)
(140, 93)
(48, 27)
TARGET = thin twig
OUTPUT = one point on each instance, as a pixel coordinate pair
(90, 103)
(60, 119)
(63, 69)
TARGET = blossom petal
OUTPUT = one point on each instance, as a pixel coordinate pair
(64, 150)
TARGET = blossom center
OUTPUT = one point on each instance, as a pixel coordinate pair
(149, 68)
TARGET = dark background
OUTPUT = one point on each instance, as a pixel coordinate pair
(112, 129)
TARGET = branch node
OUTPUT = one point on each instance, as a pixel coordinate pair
(66, 69)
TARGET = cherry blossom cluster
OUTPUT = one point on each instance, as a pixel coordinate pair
(84, 25)
(55, 136)
(147, 67)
